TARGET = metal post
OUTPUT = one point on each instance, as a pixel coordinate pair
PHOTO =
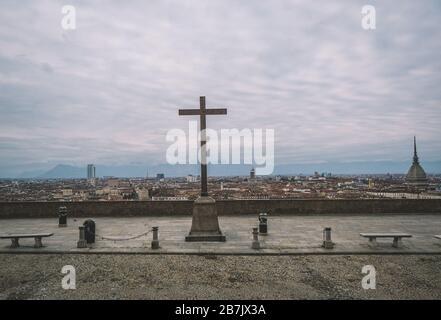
(62, 217)
(155, 241)
(263, 223)
(255, 244)
(82, 241)
(327, 242)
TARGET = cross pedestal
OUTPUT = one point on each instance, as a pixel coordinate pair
(205, 224)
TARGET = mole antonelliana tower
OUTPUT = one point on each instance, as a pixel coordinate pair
(416, 174)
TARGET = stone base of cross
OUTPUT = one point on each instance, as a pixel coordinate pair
(205, 223)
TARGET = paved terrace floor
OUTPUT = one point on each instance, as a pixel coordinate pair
(286, 235)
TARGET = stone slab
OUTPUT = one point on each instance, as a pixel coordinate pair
(288, 235)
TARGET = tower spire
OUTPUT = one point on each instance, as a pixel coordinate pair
(416, 174)
(415, 155)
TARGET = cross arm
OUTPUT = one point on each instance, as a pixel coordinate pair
(216, 111)
(193, 112)
(189, 112)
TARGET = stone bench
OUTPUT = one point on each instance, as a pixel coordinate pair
(15, 237)
(396, 236)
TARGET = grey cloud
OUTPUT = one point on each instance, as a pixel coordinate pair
(109, 91)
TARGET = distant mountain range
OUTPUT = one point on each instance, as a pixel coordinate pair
(377, 167)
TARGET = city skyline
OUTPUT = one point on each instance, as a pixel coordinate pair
(342, 94)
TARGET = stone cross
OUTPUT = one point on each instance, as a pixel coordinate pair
(202, 112)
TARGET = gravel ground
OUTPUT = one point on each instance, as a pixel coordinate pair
(219, 277)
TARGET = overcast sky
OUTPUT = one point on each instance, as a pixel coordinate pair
(108, 91)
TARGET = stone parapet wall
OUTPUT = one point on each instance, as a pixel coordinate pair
(224, 207)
